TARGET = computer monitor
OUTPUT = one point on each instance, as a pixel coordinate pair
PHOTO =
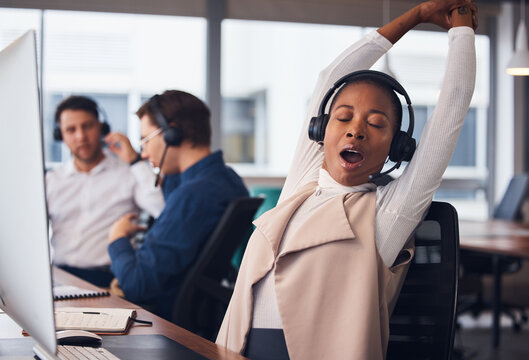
(25, 268)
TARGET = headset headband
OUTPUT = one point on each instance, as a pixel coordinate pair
(172, 135)
(101, 117)
(370, 74)
(160, 119)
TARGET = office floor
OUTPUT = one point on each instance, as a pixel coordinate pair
(473, 340)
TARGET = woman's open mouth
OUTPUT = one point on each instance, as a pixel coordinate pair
(351, 158)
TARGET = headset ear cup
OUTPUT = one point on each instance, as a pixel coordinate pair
(57, 135)
(402, 147)
(394, 150)
(312, 128)
(323, 126)
(105, 128)
(409, 149)
(172, 136)
(317, 127)
(411, 145)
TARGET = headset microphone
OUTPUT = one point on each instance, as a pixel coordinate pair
(375, 176)
(160, 166)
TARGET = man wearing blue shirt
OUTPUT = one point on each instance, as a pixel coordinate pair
(197, 186)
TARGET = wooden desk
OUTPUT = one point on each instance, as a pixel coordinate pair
(497, 238)
(8, 329)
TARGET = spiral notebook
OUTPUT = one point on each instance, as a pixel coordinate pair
(66, 292)
(98, 320)
(102, 321)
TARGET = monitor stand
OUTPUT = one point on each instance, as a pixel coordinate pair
(42, 354)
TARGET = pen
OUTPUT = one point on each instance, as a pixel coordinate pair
(84, 312)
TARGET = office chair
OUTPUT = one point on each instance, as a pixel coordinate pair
(423, 322)
(475, 265)
(510, 205)
(205, 294)
(270, 196)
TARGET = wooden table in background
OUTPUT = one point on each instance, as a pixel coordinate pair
(9, 329)
(498, 238)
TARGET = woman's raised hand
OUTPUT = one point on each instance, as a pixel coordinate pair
(439, 12)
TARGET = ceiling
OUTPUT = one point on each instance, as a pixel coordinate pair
(339, 12)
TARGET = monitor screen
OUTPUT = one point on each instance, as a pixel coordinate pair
(25, 269)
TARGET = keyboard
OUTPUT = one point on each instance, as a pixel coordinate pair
(67, 352)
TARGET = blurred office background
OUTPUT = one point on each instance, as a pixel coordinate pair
(255, 62)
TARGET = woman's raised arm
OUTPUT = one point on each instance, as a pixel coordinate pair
(308, 157)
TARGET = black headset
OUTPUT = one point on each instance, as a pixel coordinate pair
(403, 144)
(105, 127)
(172, 135)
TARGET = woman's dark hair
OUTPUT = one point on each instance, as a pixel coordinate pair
(185, 111)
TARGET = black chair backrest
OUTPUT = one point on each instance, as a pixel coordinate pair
(510, 205)
(423, 322)
(203, 298)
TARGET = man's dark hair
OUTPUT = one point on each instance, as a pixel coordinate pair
(77, 102)
(396, 104)
(184, 110)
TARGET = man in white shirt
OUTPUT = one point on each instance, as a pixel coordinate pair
(94, 189)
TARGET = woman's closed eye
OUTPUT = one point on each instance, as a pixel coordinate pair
(377, 121)
(343, 114)
(375, 125)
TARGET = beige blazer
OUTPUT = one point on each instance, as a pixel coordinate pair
(334, 293)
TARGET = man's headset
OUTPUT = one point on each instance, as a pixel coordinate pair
(105, 126)
(172, 135)
(403, 144)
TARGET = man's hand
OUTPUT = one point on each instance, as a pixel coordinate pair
(115, 289)
(124, 227)
(120, 145)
